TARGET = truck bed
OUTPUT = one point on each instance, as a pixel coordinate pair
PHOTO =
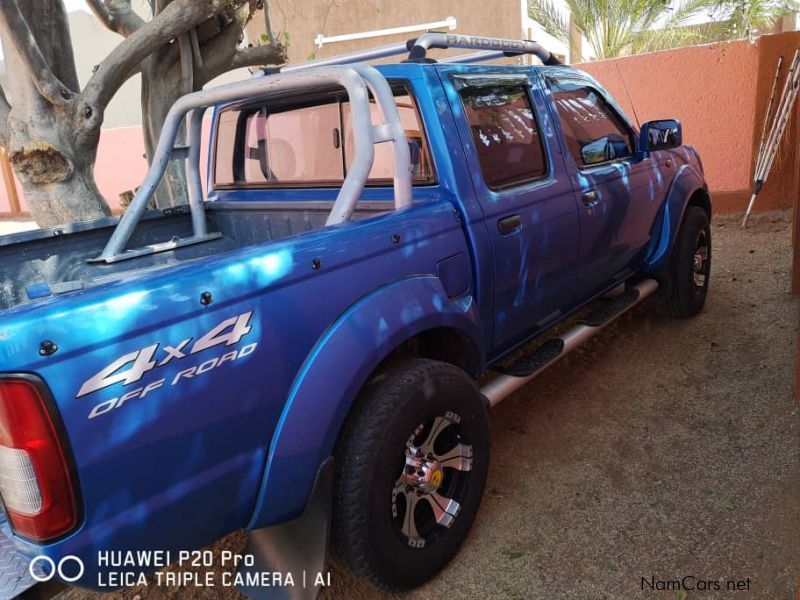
(58, 258)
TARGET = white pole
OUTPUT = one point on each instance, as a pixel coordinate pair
(782, 115)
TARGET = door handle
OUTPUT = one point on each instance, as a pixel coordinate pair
(589, 197)
(510, 224)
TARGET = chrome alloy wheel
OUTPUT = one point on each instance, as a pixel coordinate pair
(426, 497)
(700, 260)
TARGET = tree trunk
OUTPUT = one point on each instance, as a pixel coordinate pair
(161, 88)
(50, 147)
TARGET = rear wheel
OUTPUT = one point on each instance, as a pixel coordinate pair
(684, 279)
(411, 466)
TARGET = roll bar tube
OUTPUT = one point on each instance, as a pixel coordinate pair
(353, 78)
(418, 48)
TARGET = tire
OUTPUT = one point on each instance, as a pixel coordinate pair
(685, 277)
(413, 403)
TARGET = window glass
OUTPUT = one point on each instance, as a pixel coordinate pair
(305, 145)
(506, 135)
(594, 132)
(383, 166)
(282, 147)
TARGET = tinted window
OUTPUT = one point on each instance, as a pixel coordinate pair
(506, 135)
(260, 146)
(595, 133)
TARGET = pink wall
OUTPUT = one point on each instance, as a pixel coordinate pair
(718, 92)
(120, 165)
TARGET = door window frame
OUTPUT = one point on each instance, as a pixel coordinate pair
(490, 80)
(609, 103)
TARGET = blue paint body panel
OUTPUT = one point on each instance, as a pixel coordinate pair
(237, 443)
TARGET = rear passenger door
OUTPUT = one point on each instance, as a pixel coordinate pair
(618, 195)
(526, 200)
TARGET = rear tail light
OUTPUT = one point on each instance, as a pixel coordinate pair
(35, 482)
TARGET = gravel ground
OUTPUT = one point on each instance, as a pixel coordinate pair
(662, 449)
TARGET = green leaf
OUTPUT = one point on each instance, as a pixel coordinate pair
(722, 503)
(624, 27)
(265, 38)
(312, 56)
(286, 36)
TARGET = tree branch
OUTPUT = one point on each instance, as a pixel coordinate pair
(103, 13)
(117, 15)
(5, 110)
(178, 17)
(5, 105)
(187, 63)
(21, 36)
(268, 54)
(267, 21)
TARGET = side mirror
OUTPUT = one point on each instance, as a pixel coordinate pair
(604, 149)
(660, 135)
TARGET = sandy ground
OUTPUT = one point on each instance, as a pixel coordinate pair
(662, 449)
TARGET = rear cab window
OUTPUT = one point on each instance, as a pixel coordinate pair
(505, 132)
(595, 133)
(308, 145)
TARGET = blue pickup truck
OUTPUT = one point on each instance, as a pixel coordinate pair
(312, 345)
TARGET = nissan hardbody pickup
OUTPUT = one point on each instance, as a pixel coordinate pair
(312, 342)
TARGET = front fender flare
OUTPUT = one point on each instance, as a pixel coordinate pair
(332, 375)
(686, 182)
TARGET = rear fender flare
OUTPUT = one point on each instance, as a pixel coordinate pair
(335, 370)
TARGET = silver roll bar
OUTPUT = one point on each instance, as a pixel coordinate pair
(195, 186)
(353, 78)
(390, 130)
(418, 48)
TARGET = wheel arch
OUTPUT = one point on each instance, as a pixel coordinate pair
(702, 199)
(687, 189)
(447, 344)
(408, 316)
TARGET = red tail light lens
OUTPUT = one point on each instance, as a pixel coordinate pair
(35, 483)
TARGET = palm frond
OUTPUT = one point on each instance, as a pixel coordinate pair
(550, 17)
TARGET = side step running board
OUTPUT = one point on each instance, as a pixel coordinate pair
(514, 377)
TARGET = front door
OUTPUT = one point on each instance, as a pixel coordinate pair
(618, 197)
(524, 194)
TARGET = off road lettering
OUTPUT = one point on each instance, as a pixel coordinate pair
(131, 367)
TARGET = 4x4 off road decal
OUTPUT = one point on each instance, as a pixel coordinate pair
(132, 367)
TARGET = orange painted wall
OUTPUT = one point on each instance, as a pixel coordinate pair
(719, 92)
